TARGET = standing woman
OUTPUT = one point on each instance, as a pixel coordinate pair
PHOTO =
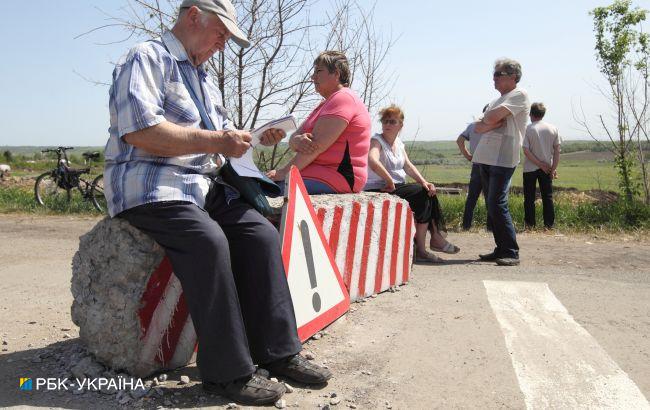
(389, 164)
(332, 144)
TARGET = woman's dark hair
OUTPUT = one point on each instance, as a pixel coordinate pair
(335, 60)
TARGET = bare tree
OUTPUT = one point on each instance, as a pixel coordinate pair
(272, 77)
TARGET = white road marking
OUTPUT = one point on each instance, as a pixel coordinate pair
(557, 362)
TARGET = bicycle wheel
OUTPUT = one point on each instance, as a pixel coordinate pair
(97, 194)
(47, 192)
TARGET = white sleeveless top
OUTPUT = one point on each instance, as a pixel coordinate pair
(393, 162)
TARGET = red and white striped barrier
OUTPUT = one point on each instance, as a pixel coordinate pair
(131, 310)
(168, 335)
(371, 237)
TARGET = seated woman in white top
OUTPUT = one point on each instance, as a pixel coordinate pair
(388, 166)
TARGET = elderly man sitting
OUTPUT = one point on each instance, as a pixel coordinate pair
(161, 176)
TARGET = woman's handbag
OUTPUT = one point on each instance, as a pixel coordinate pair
(252, 190)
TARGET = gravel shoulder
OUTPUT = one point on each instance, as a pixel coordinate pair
(435, 343)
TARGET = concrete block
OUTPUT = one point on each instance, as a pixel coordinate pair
(130, 308)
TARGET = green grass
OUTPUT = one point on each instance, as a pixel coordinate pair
(15, 199)
(581, 175)
(583, 217)
(584, 166)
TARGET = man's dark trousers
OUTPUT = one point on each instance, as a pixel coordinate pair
(229, 263)
(497, 181)
(546, 192)
(473, 192)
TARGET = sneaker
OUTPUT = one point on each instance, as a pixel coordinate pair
(507, 261)
(299, 369)
(252, 390)
(488, 257)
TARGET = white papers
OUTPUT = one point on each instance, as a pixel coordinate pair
(245, 166)
(287, 124)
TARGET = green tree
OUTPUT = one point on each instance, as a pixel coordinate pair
(617, 29)
(8, 156)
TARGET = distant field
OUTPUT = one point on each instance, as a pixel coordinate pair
(584, 166)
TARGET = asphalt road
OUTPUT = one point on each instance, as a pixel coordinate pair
(567, 328)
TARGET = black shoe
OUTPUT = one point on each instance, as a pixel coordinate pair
(488, 257)
(507, 261)
(250, 390)
(299, 369)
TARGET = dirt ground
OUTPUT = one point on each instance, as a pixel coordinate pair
(434, 344)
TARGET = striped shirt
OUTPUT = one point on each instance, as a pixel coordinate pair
(147, 90)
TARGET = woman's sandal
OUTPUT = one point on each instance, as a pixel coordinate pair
(448, 248)
(428, 258)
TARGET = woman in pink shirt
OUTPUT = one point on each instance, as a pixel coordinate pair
(332, 144)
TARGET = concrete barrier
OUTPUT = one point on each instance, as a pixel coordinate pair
(371, 238)
(130, 308)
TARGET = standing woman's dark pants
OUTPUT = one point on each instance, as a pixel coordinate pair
(497, 181)
(426, 209)
(229, 264)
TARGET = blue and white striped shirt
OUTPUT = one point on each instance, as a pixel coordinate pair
(148, 89)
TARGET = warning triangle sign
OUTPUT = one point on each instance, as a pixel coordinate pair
(317, 290)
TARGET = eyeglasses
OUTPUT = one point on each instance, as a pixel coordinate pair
(391, 121)
(500, 74)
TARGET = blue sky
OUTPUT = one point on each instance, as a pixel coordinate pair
(443, 62)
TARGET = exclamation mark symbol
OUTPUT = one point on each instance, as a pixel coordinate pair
(311, 269)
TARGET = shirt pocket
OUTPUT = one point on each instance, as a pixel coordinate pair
(179, 106)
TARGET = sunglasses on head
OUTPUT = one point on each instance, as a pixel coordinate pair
(390, 121)
(500, 74)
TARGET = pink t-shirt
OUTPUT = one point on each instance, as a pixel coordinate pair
(344, 165)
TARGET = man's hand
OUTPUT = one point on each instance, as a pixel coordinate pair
(431, 189)
(272, 136)
(235, 143)
(554, 174)
(545, 167)
(303, 143)
(468, 156)
(389, 187)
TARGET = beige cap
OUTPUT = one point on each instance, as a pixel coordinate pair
(226, 12)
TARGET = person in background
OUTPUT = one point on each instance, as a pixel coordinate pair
(332, 144)
(502, 127)
(475, 186)
(542, 151)
(389, 165)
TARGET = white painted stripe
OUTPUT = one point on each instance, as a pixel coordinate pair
(559, 365)
(160, 320)
(344, 232)
(327, 223)
(373, 252)
(185, 346)
(400, 250)
(385, 278)
(358, 251)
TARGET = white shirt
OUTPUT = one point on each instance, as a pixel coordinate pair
(540, 139)
(393, 161)
(501, 147)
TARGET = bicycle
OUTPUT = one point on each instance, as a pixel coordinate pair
(56, 187)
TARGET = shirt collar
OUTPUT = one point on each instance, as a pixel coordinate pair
(174, 46)
(177, 50)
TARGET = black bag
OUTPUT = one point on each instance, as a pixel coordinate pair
(252, 190)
